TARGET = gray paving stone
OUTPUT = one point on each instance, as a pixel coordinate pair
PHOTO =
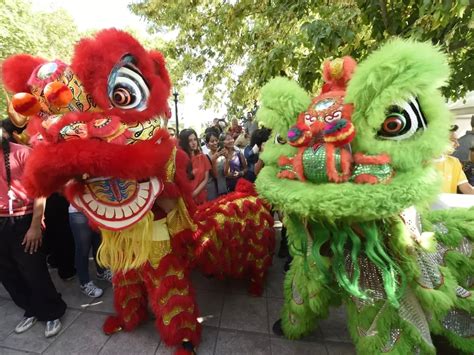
(3, 292)
(71, 292)
(275, 305)
(335, 327)
(208, 343)
(83, 336)
(238, 286)
(335, 348)
(245, 313)
(295, 347)
(275, 277)
(210, 307)
(203, 283)
(105, 303)
(237, 343)
(143, 340)
(34, 340)
(10, 316)
(6, 351)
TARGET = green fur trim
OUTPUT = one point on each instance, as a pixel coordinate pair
(281, 102)
(388, 319)
(443, 297)
(458, 221)
(297, 317)
(348, 201)
(402, 247)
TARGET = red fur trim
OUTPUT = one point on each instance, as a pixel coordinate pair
(16, 71)
(112, 325)
(245, 186)
(51, 166)
(298, 164)
(256, 289)
(174, 334)
(167, 262)
(181, 351)
(94, 59)
(286, 174)
(160, 67)
(365, 179)
(185, 302)
(284, 160)
(360, 158)
(331, 170)
(346, 163)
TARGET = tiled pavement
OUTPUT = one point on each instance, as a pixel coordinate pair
(234, 323)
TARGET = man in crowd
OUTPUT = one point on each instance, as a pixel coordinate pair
(23, 270)
(250, 125)
(235, 129)
(469, 167)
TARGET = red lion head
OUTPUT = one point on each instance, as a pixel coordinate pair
(97, 125)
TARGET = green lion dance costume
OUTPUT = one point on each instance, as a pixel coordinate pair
(357, 205)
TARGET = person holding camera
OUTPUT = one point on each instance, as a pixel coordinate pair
(216, 185)
(235, 165)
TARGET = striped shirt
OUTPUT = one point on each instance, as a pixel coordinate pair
(22, 204)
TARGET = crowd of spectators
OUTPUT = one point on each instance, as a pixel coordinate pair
(224, 154)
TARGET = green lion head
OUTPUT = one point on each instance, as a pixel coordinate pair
(398, 111)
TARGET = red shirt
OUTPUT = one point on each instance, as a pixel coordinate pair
(22, 204)
(200, 165)
(235, 131)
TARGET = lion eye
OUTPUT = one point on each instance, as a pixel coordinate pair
(127, 87)
(402, 121)
(279, 139)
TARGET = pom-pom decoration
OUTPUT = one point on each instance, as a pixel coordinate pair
(57, 94)
(26, 104)
(339, 132)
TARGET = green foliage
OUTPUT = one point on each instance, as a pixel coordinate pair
(263, 39)
(48, 35)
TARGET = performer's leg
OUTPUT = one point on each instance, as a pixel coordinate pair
(129, 301)
(173, 302)
(261, 245)
(298, 316)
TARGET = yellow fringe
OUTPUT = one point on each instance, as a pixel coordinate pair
(127, 249)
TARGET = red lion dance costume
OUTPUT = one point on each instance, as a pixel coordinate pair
(95, 127)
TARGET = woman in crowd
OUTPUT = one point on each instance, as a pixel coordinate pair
(84, 239)
(216, 185)
(198, 172)
(235, 165)
(252, 151)
(23, 270)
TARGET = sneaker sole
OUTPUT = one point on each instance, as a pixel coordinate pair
(25, 329)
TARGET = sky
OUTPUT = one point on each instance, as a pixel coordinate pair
(98, 14)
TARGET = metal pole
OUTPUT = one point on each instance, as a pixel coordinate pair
(175, 94)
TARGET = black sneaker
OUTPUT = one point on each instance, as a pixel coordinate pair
(188, 346)
(277, 330)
